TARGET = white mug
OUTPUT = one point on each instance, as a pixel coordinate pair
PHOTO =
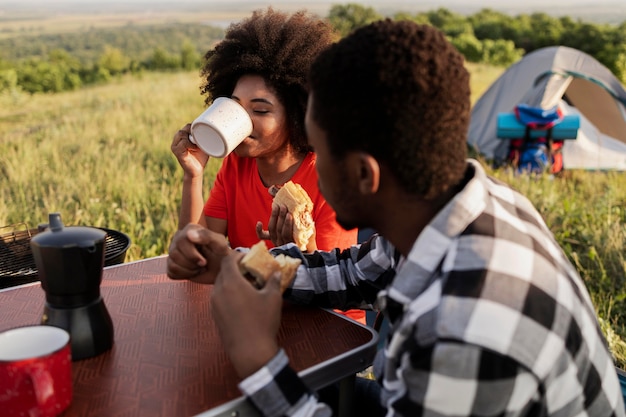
(221, 127)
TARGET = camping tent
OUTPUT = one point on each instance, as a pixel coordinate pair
(578, 84)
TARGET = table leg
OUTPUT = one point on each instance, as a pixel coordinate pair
(346, 396)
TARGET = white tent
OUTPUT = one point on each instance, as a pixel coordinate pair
(578, 84)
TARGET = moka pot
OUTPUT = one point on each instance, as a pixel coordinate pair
(70, 261)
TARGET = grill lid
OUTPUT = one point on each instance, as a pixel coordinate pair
(59, 237)
(16, 257)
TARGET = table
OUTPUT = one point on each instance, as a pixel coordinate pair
(167, 358)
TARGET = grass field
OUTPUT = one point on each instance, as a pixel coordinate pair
(59, 17)
(77, 22)
(100, 156)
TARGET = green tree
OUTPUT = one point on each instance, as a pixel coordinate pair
(587, 37)
(37, 76)
(619, 40)
(8, 76)
(490, 24)
(546, 30)
(59, 72)
(68, 66)
(189, 56)
(8, 80)
(500, 52)
(469, 46)
(162, 60)
(113, 61)
(613, 56)
(568, 24)
(65, 59)
(419, 18)
(520, 32)
(452, 24)
(346, 18)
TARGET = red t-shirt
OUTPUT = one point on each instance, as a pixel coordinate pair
(239, 196)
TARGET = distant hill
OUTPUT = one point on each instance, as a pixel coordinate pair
(599, 11)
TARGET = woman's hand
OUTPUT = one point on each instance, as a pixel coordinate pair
(280, 228)
(247, 319)
(189, 156)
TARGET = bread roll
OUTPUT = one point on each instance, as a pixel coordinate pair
(300, 207)
(259, 265)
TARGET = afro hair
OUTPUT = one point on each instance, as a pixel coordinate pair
(280, 48)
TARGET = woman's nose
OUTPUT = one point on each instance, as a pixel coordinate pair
(251, 115)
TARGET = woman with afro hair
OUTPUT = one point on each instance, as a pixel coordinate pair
(262, 63)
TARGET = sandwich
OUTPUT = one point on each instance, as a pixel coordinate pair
(258, 265)
(300, 207)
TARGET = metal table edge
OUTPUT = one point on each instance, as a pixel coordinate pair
(315, 377)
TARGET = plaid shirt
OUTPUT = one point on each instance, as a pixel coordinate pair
(487, 315)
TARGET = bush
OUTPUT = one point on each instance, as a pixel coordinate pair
(469, 46)
(8, 80)
(500, 52)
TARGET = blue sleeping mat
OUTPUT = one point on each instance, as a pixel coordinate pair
(509, 127)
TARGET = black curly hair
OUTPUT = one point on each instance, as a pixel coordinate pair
(280, 48)
(400, 92)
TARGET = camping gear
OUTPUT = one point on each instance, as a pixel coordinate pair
(17, 265)
(510, 127)
(70, 262)
(574, 82)
(536, 137)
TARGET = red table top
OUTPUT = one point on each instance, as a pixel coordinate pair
(167, 358)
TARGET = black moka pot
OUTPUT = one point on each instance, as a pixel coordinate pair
(69, 262)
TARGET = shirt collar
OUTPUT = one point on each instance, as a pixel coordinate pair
(415, 273)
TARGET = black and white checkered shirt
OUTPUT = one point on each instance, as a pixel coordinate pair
(488, 318)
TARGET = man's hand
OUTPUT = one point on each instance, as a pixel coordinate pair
(247, 319)
(196, 254)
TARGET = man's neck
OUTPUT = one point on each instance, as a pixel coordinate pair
(404, 220)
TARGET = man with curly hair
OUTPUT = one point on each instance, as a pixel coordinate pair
(487, 315)
(262, 63)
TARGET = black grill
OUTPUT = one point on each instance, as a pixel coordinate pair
(17, 265)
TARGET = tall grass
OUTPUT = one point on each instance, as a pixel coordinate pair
(481, 77)
(100, 156)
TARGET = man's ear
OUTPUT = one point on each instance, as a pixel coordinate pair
(367, 172)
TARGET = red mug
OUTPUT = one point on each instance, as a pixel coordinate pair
(35, 371)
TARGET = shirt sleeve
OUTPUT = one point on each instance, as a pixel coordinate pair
(343, 279)
(277, 390)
